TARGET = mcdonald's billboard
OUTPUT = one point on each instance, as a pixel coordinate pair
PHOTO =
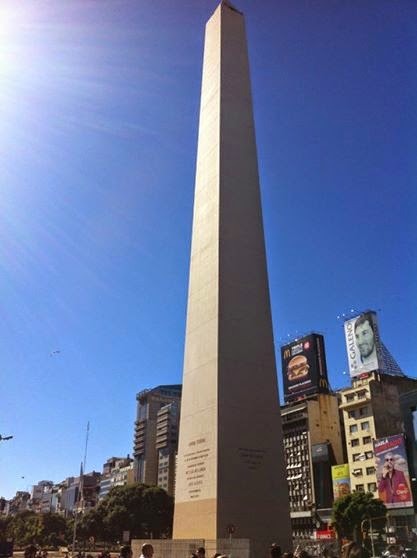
(304, 367)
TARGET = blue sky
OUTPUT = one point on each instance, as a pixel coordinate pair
(99, 109)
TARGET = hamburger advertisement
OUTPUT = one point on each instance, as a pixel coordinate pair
(304, 367)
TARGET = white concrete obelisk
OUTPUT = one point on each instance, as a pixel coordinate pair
(230, 468)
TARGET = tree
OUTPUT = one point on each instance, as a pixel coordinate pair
(143, 510)
(31, 528)
(25, 528)
(158, 511)
(350, 510)
(52, 529)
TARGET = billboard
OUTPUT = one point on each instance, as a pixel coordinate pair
(341, 480)
(392, 472)
(363, 344)
(304, 367)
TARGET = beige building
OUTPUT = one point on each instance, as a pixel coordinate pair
(371, 410)
(313, 443)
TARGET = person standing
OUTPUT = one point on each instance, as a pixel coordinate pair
(125, 551)
(147, 551)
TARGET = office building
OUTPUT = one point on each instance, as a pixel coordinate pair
(156, 435)
(313, 442)
(117, 471)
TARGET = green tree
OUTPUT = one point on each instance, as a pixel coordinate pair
(349, 512)
(25, 528)
(92, 524)
(52, 529)
(143, 510)
(158, 511)
(31, 528)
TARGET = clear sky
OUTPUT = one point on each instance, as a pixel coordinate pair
(99, 108)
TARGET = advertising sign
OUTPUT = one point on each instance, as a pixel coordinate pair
(392, 472)
(341, 480)
(304, 367)
(363, 344)
(325, 535)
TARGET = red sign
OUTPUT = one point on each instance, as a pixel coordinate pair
(325, 534)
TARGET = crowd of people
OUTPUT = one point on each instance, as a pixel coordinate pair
(348, 550)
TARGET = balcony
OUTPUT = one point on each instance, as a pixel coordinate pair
(355, 402)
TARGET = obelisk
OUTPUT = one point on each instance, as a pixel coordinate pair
(230, 469)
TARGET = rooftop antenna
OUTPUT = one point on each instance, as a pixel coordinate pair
(86, 444)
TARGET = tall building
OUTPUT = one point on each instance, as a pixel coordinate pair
(230, 468)
(167, 426)
(371, 410)
(156, 435)
(313, 443)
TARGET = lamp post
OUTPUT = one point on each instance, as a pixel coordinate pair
(370, 529)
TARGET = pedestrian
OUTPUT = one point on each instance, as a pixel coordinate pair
(354, 550)
(125, 551)
(275, 551)
(147, 551)
(201, 552)
(30, 551)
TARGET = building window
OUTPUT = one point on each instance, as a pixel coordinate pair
(143, 411)
(355, 442)
(362, 394)
(372, 487)
(350, 396)
(370, 470)
(363, 411)
(369, 454)
(353, 428)
(357, 472)
(355, 456)
(352, 414)
(367, 439)
(360, 488)
(365, 425)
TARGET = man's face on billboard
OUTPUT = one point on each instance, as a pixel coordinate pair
(365, 339)
(389, 462)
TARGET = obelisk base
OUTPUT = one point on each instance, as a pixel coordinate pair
(181, 548)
